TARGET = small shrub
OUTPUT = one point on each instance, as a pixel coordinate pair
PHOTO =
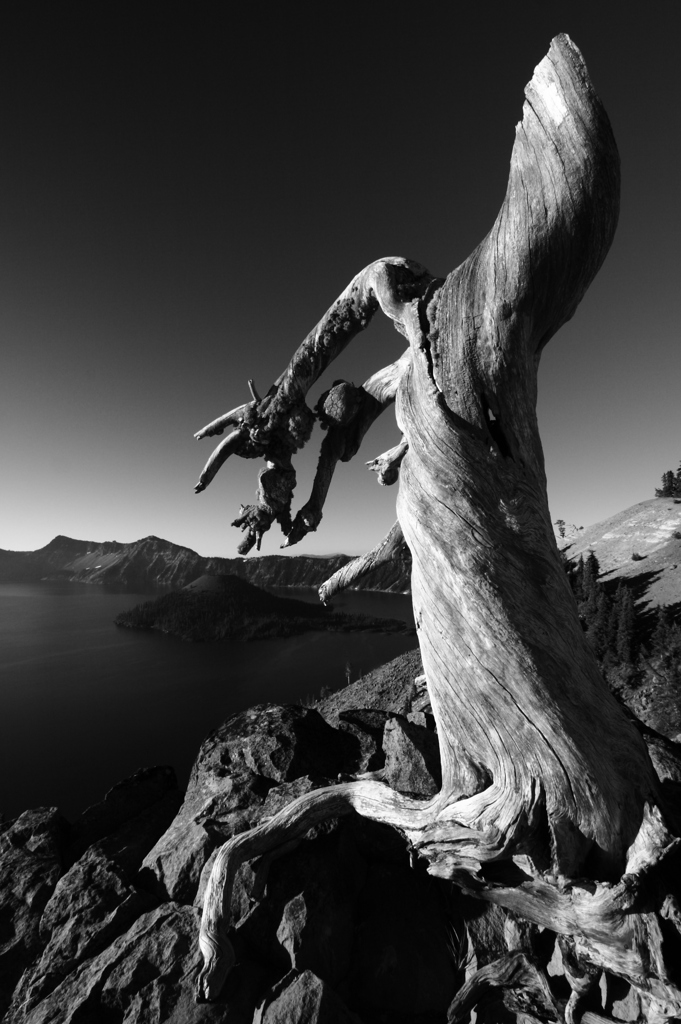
(636, 557)
(677, 534)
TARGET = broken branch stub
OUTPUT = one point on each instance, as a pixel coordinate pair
(391, 549)
(280, 424)
(548, 804)
(387, 465)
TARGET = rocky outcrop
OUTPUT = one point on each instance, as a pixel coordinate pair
(67, 891)
(412, 758)
(236, 768)
(99, 920)
(152, 562)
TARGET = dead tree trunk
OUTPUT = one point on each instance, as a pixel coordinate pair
(543, 775)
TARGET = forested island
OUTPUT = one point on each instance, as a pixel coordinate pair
(215, 608)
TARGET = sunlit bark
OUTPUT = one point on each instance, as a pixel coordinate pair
(543, 774)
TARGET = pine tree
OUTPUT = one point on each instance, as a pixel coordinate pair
(597, 627)
(625, 629)
(671, 485)
(593, 564)
(590, 589)
(576, 578)
(662, 633)
(613, 621)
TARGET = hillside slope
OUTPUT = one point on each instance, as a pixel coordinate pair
(641, 545)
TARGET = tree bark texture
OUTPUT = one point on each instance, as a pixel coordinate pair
(545, 780)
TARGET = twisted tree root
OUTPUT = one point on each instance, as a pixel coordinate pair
(371, 799)
(613, 926)
(513, 971)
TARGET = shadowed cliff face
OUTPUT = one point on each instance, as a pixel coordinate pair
(156, 562)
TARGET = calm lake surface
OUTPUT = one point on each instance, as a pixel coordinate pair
(84, 704)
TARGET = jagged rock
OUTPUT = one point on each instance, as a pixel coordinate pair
(31, 861)
(401, 960)
(316, 926)
(130, 844)
(423, 718)
(173, 866)
(666, 757)
(307, 917)
(92, 904)
(412, 758)
(305, 999)
(282, 742)
(124, 801)
(366, 726)
(390, 688)
(146, 976)
(236, 766)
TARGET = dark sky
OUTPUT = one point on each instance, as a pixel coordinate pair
(185, 190)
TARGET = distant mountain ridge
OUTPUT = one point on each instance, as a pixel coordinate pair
(153, 561)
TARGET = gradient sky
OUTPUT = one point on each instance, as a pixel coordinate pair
(182, 196)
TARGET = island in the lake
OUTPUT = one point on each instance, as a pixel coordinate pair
(226, 607)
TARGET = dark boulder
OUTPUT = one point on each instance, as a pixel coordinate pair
(391, 687)
(366, 725)
(307, 916)
(124, 801)
(146, 976)
(305, 999)
(412, 758)
(92, 904)
(236, 766)
(403, 961)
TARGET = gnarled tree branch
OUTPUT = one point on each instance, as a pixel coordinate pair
(281, 423)
(392, 548)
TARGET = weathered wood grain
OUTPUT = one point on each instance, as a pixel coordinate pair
(549, 800)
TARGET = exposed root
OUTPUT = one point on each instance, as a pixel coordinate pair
(371, 799)
(606, 926)
(513, 972)
(581, 977)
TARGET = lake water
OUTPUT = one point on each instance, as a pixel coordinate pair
(84, 704)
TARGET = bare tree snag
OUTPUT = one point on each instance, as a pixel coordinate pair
(549, 803)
